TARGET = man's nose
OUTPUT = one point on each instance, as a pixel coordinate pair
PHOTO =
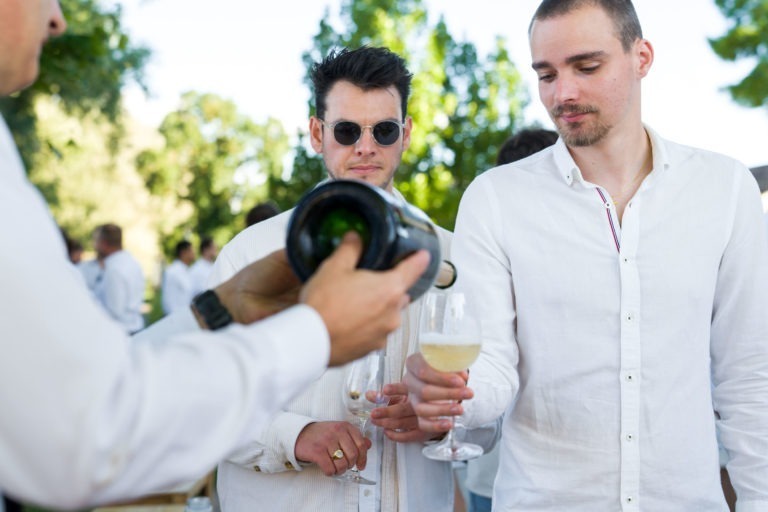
(566, 89)
(57, 24)
(366, 143)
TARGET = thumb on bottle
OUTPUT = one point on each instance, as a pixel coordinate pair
(412, 267)
(348, 253)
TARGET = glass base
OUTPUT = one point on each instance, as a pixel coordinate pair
(459, 451)
(353, 476)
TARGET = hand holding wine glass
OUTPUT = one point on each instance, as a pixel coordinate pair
(361, 393)
(449, 341)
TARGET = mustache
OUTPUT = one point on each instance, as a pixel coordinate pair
(573, 109)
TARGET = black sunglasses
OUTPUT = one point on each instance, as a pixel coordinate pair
(347, 133)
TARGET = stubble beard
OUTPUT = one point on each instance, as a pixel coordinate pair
(382, 181)
(583, 133)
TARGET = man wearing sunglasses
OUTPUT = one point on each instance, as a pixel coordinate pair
(361, 129)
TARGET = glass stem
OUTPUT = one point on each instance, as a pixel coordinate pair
(362, 425)
(450, 438)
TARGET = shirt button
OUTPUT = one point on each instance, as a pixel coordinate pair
(367, 492)
(630, 499)
(629, 437)
(629, 377)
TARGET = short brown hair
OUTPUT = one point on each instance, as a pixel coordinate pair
(622, 12)
(110, 234)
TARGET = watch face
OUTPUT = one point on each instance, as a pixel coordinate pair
(211, 310)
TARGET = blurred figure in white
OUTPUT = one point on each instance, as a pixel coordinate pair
(177, 280)
(200, 271)
(120, 286)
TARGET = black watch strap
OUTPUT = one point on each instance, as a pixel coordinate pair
(208, 308)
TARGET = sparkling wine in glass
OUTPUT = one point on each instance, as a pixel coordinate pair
(361, 393)
(449, 340)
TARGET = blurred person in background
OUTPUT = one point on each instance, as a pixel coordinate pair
(176, 290)
(120, 285)
(260, 212)
(200, 271)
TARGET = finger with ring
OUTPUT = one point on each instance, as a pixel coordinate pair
(338, 454)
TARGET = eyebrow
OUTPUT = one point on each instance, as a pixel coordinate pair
(570, 60)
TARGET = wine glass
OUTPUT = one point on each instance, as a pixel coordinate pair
(449, 340)
(361, 393)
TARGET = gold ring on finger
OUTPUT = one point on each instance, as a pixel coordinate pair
(338, 454)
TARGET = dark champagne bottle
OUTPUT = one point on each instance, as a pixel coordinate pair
(389, 228)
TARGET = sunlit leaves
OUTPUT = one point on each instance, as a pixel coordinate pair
(84, 70)
(215, 161)
(747, 38)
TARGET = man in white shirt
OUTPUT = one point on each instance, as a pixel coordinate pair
(176, 290)
(625, 279)
(92, 272)
(200, 271)
(361, 129)
(90, 416)
(120, 286)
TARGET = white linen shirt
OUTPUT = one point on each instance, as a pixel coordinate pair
(88, 416)
(607, 345)
(267, 472)
(91, 270)
(120, 289)
(199, 275)
(177, 287)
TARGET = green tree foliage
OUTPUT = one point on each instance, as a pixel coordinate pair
(215, 162)
(747, 38)
(84, 70)
(68, 123)
(463, 106)
(96, 185)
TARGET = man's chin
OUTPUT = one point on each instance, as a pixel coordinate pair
(371, 179)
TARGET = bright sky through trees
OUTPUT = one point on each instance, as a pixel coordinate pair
(250, 52)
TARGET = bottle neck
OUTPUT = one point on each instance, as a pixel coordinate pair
(446, 275)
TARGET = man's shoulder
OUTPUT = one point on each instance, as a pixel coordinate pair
(677, 154)
(201, 266)
(177, 267)
(120, 260)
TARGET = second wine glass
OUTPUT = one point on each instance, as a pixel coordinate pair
(449, 340)
(361, 393)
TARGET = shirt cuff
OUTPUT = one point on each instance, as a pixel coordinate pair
(289, 426)
(175, 323)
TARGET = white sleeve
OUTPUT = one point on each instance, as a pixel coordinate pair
(89, 416)
(115, 295)
(484, 275)
(739, 347)
(276, 444)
